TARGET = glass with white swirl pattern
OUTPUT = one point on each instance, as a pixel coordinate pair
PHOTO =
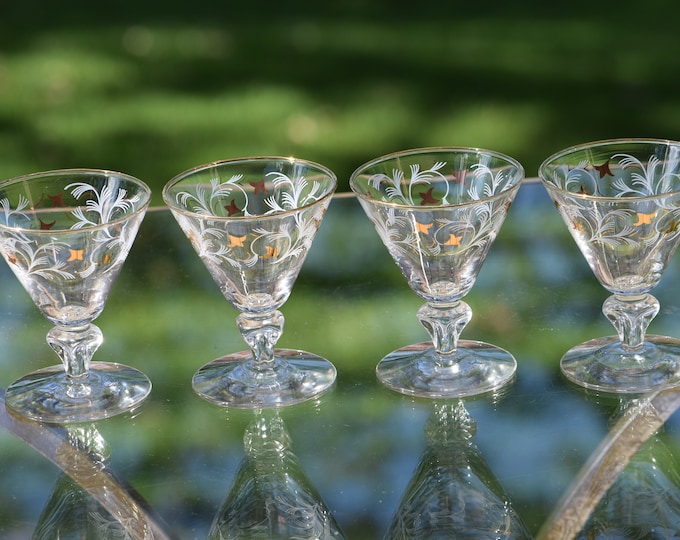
(438, 210)
(453, 493)
(252, 221)
(272, 498)
(620, 200)
(66, 234)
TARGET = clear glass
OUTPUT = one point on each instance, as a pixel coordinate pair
(620, 200)
(88, 501)
(438, 210)
(452, 493)
(65, 235)
(271, 497)
(643, 500)
(252, 221)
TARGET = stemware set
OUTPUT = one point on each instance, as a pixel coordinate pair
(66, 234)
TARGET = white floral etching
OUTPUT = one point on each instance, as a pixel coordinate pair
(621, 175)
(104, 207)
(219, 242)
(619, 201)
(289, 194)
(439, 225)
(294, 193)
(247, 242)
(399, 189)
(31, 243)
(442, 214)
(440, 189)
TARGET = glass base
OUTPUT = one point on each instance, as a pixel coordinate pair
(475, 368)
(602, 364)
(232, 380)
(47, 395)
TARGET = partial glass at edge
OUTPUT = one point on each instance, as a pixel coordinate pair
(438, 210)
(620, 200)
(252, 221)
(65, 235)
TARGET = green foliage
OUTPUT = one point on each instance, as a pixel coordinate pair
(153, 92)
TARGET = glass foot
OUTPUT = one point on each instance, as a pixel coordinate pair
(47, 395)
(602, 364)
(233, 381)
(475, 368)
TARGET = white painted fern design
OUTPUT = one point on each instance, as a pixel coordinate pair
(400, 189)
(460, 228)
(25, 248)
(290, 237)
(618, 223)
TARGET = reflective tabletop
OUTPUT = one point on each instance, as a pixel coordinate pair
(541, 458)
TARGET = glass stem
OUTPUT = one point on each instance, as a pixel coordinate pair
(631, 317)
(444, 323)
(75, 346)
(261, 332)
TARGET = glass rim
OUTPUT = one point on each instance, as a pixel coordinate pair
(436, 150)
(81, 171)
(253, 159)
(599, 144)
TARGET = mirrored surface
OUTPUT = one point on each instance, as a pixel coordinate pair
(565, 461)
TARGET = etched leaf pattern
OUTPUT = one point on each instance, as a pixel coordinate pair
(51, 261)
(207, 202)
(618, 222)
(221, 242)
(462, 228)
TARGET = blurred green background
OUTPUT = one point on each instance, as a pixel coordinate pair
(153, 89)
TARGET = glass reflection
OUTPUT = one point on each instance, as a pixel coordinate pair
(453, 494)
(271, 496)
(630, 486)
(85, 503)
(644, 500)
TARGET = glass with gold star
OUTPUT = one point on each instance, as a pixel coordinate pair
(252, 222)
(438, 210)
(620, 200)
(66, 234)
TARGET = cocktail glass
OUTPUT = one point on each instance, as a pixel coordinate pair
(438, 210)
(453, 493)
(620, 200)
(272, 498)
(65, 234)
(252, 221)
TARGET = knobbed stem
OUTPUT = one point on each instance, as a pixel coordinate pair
(261, 332)
(75, 346)
(631, 317)
(450, 423)
(445, 322)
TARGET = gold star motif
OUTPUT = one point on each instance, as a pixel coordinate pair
(271, 252)
(259, 187)
(423, 227)
(236, 241)
(453, 240)
(603, 169)
(232, 208)
(427, 197)
(75, 255)
(644, 219)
